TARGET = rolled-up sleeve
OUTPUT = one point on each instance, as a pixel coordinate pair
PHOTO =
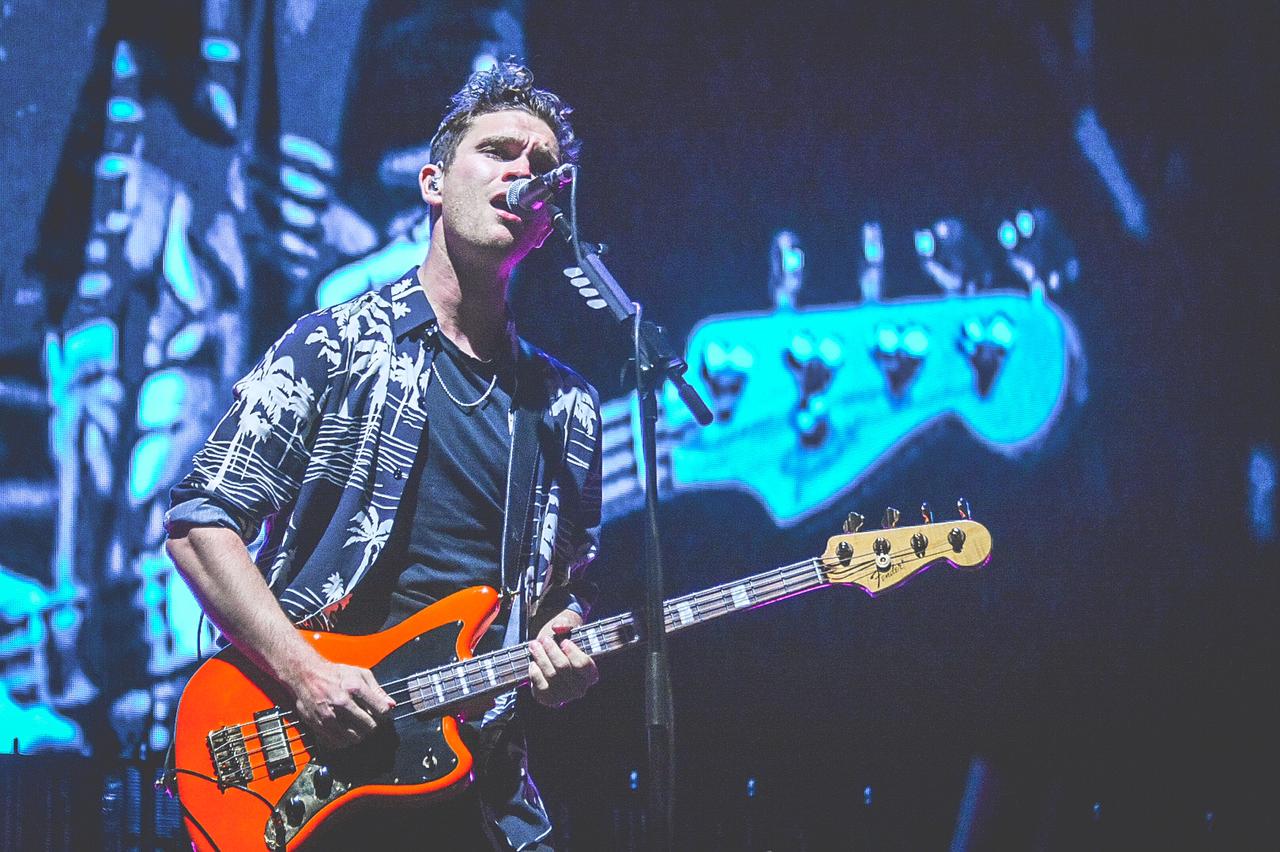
(253, 463)
(191, 510)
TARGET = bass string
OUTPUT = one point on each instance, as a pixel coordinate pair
(866, 568)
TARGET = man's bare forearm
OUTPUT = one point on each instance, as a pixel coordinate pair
(340, 703)
(231, 590)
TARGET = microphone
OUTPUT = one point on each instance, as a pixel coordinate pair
(527, 195)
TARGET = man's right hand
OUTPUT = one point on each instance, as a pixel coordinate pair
(340, 704)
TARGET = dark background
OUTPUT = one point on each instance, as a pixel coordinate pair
(1112, 671)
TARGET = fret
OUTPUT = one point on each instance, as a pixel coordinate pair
(685, 613)
(417, 693)
(509, 667)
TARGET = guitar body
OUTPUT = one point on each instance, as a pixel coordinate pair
(272, 791)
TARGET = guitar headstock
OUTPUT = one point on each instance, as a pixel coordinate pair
(880, 559)
(808, 401)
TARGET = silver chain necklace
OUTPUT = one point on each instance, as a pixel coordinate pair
(465, 406)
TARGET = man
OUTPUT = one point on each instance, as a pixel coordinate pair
(387, 443)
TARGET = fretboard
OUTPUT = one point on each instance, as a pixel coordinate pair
(508, 668)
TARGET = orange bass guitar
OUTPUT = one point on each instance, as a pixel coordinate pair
(250, 778)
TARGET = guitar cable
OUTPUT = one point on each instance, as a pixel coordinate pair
(186, 812)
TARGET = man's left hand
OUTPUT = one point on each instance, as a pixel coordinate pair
(559, 670)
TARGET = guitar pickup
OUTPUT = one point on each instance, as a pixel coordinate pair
(275, 743)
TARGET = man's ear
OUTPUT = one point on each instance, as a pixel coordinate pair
(430, 179)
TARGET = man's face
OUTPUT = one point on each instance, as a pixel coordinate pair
(498, 148)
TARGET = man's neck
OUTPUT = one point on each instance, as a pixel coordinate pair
(470, 303)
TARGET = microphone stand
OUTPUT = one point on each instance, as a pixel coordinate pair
(656, 362)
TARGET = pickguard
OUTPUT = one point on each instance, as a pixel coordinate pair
(410, 749)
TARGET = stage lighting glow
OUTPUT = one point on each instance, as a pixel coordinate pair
(63, 618)
(483, 62)
(1096, 145)
(361, 275)
(1025, 222)
(872, 243)
(112, 166)
(92, 344)
(161, 399)
(975, 331)
(93, 284)
(146, 467)
(1262, 494)
(792, 259)
(715, 356)
(830, 351)
(805, 420)
(298, 215)
(741, 357)
(186, 342)
(1000, 331)
(220, 50)
(123, 65)
(926, 245)
(124, 109)
(887, 339)
(301, 183)
(307, 150)
(176, 262)
(915, 341)
(222, 102)
(1007, 234)
(802, 347)
(786, 269)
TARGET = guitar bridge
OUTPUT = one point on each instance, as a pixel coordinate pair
(230, 757)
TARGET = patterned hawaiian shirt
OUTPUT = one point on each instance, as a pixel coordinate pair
(317, 447)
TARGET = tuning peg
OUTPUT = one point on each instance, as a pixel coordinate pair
(854, 522)
(926, 513)
(891, 516)
(962, 506)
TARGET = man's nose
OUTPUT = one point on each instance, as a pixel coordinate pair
(518, 168)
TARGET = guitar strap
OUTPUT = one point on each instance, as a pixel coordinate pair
(529, 403)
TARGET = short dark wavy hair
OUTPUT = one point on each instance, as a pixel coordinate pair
(507, 85)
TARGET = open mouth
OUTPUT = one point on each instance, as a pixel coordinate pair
(499, 203)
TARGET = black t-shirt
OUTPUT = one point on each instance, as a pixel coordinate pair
(448, 530)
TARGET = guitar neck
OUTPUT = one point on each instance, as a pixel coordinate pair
(509, 667)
